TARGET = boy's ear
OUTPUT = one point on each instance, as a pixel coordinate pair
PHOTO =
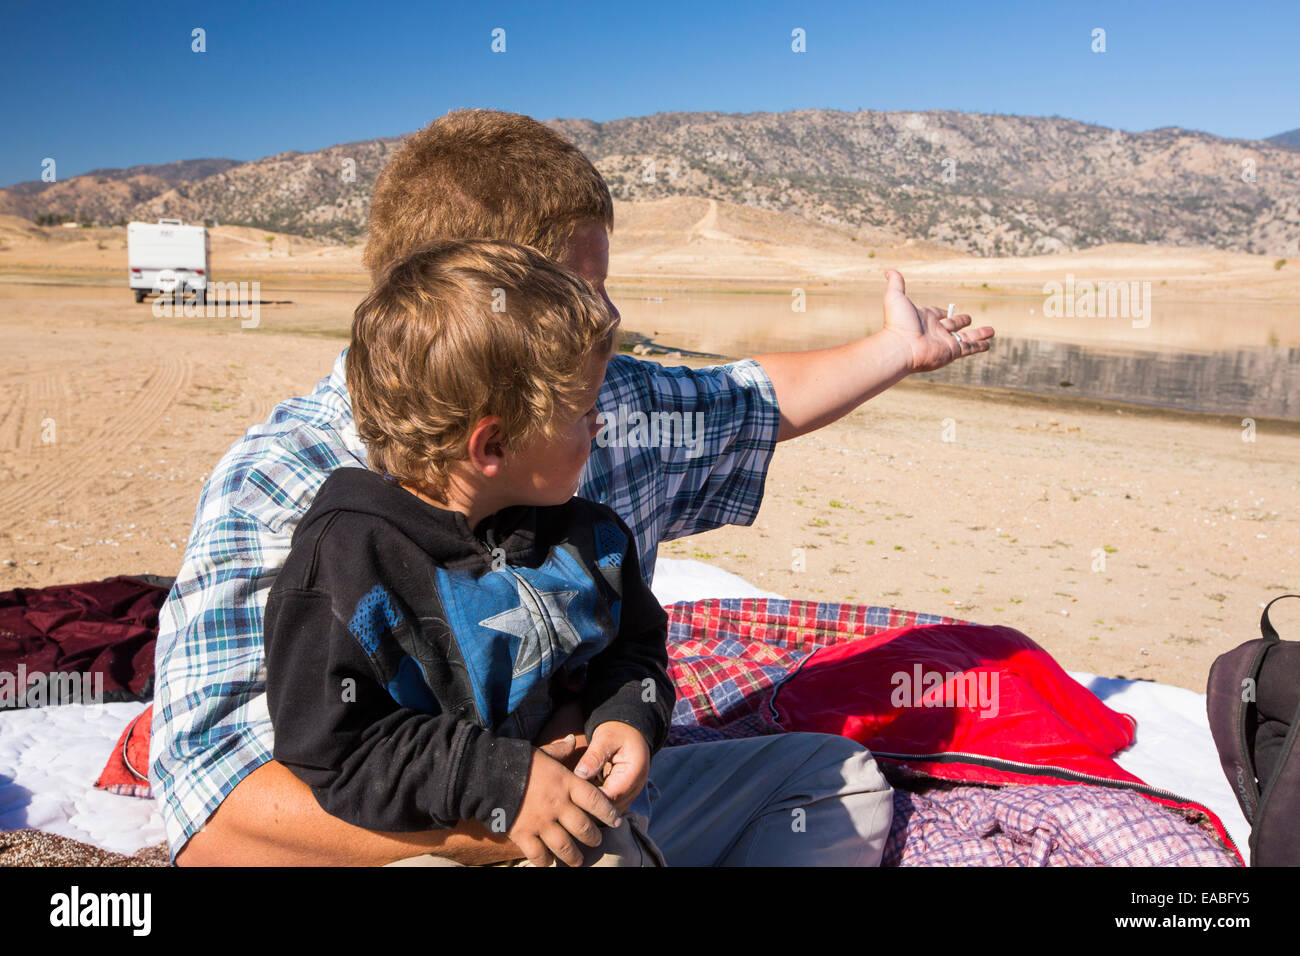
(487, 452)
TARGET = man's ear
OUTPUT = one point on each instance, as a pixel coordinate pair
(487, 451)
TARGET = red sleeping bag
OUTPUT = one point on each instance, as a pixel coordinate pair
(957, 689)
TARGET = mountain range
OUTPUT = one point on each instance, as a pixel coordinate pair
(985, 184)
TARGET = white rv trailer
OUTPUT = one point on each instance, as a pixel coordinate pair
(167, 258)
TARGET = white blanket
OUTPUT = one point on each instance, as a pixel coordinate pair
(50, 757)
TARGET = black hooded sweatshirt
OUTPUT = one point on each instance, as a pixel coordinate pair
(411, 660)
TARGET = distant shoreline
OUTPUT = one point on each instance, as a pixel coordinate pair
(1044, 401)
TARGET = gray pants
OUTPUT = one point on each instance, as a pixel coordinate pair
(783, 800)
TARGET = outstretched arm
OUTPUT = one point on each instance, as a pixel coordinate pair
(818, 387)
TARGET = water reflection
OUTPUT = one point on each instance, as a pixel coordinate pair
(1256, 382)
(1233, 358)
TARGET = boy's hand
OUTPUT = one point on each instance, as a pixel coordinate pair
(559, 808)
(620, 754)
(927, 333)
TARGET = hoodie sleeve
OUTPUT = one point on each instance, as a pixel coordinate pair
(628, 681)
(367, 760)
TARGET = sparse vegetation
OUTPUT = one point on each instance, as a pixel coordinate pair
(1022, 200)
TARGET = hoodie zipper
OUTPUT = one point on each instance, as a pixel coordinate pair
(538, 606)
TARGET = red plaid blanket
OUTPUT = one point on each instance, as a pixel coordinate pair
(727, 655)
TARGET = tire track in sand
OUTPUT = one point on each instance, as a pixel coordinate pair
(33, 399)
(71, 469)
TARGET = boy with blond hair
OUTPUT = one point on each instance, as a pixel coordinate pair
(436, 609)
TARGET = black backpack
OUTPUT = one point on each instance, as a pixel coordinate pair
(1253, 700)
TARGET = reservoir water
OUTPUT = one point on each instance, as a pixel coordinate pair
(1222, 357)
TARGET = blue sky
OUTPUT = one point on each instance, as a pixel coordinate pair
(97, 85)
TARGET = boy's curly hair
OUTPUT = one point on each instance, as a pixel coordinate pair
(461, 330)
(483, 174)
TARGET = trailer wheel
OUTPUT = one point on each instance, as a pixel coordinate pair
(139, 295)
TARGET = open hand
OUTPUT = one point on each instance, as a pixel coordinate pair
(620, 754)
(927, 333)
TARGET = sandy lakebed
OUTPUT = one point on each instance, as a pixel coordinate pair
(1129, 541)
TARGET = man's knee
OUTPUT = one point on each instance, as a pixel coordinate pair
(833, 807)
(836, 758)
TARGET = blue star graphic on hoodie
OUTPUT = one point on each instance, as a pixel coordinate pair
(544, 633)
(517, 626)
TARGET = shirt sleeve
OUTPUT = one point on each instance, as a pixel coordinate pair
(710, 434)
(368, 760)
(628, 681)
(210, 725)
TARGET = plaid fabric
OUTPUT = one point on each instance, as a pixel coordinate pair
(726, 656)
(1044, 826)
(211, 727)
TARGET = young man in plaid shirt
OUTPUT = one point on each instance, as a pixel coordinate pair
(482, 174)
